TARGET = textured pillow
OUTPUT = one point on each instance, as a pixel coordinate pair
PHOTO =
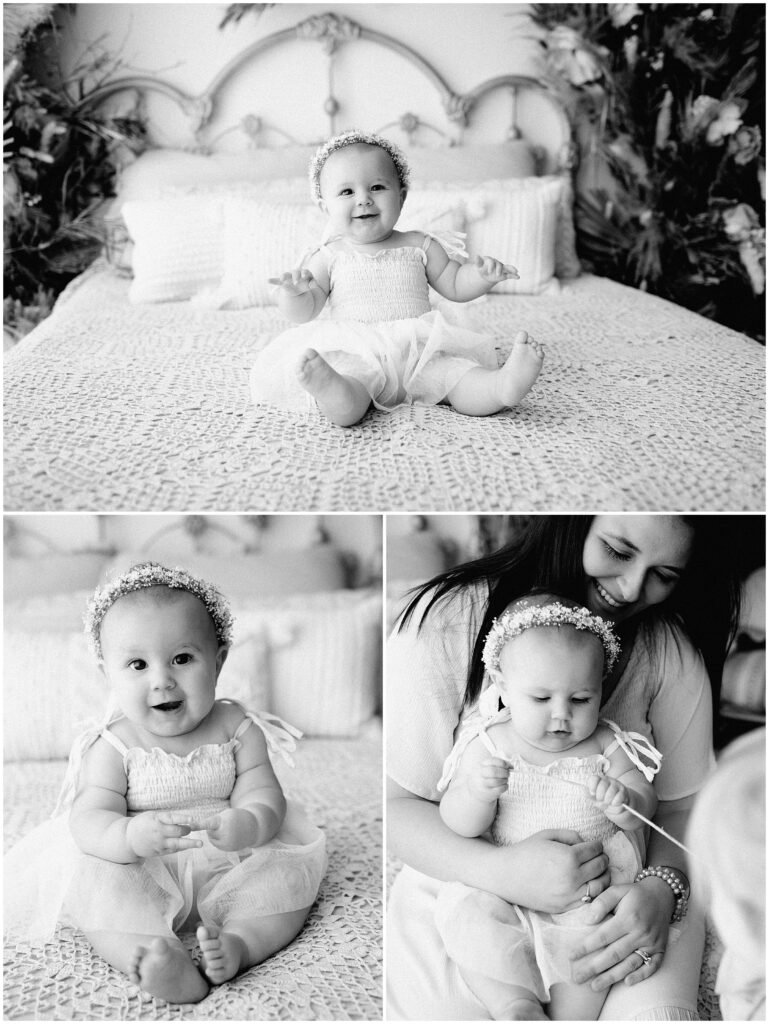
(475, 162)
(325, 656)
(177, 246)
(519, 227)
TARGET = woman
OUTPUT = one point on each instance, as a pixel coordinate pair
(669, 585)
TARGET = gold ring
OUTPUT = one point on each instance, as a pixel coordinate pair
(646, 957)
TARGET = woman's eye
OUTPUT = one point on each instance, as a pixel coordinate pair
(613, 553)
(669, 581)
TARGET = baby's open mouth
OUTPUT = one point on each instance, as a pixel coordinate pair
(170, 705)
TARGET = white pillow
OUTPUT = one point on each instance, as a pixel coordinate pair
(325, 657)
(519, 227)
(177, 246)
(51, 573)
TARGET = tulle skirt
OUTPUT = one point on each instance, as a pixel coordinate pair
(48, 880)
(399, 362)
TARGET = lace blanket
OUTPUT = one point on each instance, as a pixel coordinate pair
(641, 405)
(332, 971)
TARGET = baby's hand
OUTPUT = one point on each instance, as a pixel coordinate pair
(489, 781)
(156, 832)
(233, 829)
(294, 282)
(609, 795)
(494, 271)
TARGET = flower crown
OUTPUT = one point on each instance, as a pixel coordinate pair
(355, 137)
(553, 613)
(152, 574)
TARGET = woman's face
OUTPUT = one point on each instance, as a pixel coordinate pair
(634, 562)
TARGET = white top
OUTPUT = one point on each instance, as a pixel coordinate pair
(667, 700)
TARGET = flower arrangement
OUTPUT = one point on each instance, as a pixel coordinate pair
(59, 164)
(667, 102)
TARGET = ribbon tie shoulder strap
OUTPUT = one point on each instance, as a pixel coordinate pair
(452, 242)
(637, 747)
(280, 736)
(468, 733)
(80, 746)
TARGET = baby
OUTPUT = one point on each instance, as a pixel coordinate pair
(383, 344)
(175, 811)
(543, 761)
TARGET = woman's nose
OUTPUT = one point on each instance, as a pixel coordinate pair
(631, 584)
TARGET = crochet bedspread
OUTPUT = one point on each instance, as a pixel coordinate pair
(332, 971)
(641, 405)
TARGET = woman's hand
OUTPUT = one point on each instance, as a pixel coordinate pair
(632, 917)
(553, 870)
(156, 832)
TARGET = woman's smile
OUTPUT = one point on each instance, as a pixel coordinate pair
(604, 593)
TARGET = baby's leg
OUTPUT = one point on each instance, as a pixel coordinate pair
(159, 966)
(343, 399)
(574, 1002)
(482, 392)
(245, 942)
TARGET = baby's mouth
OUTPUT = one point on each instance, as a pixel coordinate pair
(169, 705)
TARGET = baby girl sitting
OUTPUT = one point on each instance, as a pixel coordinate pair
(174, 808)
(383, 344)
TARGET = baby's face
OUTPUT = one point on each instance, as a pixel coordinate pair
(550, 678)
(361, 193)
(162, 658)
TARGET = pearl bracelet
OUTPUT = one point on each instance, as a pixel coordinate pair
(677, 881)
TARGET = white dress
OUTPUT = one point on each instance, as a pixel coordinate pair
(381, 330)
(489, 938)
(667, 699)
(48, 880)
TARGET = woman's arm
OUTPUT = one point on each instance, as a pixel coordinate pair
(547, 871)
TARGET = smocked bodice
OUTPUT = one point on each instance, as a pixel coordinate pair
(388, 285)
(202, 781)
(536, 799)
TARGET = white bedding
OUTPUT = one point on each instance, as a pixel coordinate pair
(332, 971)
(641, 405)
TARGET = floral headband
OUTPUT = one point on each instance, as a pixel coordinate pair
(355, 137)
(554, 613)
(151, 574)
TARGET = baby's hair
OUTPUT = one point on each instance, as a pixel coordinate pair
(355, 137)
(547, 610)
(151, 574)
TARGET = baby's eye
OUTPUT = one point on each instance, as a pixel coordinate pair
(138, 664)
(346, 192)
(580, 700)
(541, 700)
(182, 659)
(375, 187)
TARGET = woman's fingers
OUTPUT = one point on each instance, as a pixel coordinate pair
(647, 968)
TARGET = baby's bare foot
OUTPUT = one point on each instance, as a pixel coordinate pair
(520, 371)
(167, 971)
(337, 396)
(224, 954)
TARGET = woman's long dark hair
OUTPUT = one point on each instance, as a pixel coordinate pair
(547, 556)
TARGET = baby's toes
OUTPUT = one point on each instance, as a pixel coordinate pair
(134, 964)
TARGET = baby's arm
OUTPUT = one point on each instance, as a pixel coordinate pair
(99, 819)
(303, 292)
(257, 805)
(462, 282)
(623, 784)
(469, 805)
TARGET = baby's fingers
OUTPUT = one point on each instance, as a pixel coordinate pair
(510, 272)
(174, 845)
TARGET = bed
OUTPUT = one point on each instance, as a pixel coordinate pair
(333, 969)
(133, 394)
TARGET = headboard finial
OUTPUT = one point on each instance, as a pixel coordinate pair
(331, 29)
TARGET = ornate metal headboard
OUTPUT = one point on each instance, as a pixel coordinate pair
(334, 32)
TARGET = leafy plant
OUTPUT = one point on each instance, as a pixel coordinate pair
(667, 100)
(59, 165)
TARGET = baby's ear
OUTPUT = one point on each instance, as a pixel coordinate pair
(221, 657)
